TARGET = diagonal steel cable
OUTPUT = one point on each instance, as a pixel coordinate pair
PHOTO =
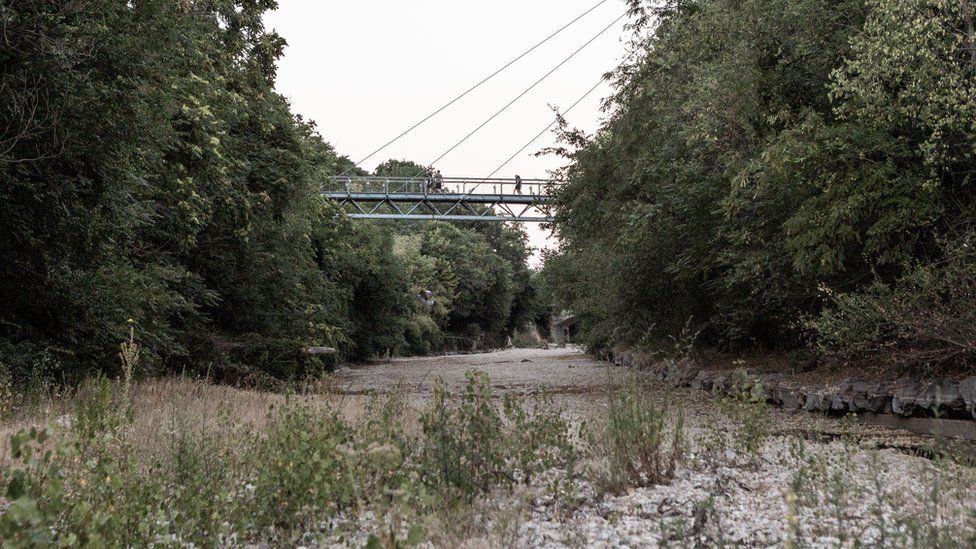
(575, 104)
(475, 87)
(525, 92)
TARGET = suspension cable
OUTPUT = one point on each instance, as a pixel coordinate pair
(476, 86)
(553, 123)
(543, 132)
(524, 93)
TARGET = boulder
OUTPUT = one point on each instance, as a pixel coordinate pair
(722, 383)
(859, 396)
(967, 390)
(869, 397)
(904, 396)
(940, 396)
(681, 374)
(817, 400)
(791, 397)
(837, 403)
(703, 381)
(770, 386)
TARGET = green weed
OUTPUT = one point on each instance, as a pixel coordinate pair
(746, 405)
(644, 443)
(310, 474)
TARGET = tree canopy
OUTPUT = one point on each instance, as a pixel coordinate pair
(153, 179)
(780, 174)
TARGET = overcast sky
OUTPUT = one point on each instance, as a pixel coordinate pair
(366, 71)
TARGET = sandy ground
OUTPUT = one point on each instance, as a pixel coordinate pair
(815, 481)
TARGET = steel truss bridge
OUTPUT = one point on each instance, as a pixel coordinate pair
(446, 199)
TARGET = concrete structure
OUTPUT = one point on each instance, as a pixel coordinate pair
(561, 328)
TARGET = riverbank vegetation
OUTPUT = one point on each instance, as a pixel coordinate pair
(160, 466)
(181, 462)
(785, 175)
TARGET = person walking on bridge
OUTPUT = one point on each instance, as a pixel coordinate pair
(518, 184)
(438, 181)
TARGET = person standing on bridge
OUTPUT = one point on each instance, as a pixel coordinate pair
(438, 181)
(518, 184)
(430, 178)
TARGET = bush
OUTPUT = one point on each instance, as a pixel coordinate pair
(306, 472)
(746, 404)
(474, 446)
(644, 443)
(927, 319)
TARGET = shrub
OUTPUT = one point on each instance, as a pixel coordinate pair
(305, 470)
(474, 446)
(309, 472)
(35, 487)
(644, 443)
(926, 319)
(746, 404)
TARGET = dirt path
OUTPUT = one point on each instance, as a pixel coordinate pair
(815, 478)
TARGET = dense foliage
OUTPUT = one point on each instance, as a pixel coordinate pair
(151, 177)
(781, 173)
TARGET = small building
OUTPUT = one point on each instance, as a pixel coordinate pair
(562, 328)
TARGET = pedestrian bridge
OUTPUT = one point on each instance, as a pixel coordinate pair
(443, 199)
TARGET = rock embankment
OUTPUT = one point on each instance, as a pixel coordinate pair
(904, 397)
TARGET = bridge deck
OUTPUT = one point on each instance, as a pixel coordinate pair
(441, 198)
(445, 199)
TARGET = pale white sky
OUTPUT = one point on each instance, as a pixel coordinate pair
(366, 71)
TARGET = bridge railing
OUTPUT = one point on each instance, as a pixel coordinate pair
(424, 185)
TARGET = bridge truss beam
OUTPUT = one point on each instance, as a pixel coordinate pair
(443, 200)
(444, 207)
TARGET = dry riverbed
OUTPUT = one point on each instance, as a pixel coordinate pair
(750, 475)
(814, 481)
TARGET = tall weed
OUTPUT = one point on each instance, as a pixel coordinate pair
(644, 442)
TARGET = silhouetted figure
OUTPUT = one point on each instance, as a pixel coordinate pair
(518, 184)
(430, 178)
(438, 181)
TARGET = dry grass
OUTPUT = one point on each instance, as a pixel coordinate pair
(280, 465)
(198, 405)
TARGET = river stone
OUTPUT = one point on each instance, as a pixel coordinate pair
(940, 396)
(967, 390)
(791, 397)
(817, 401)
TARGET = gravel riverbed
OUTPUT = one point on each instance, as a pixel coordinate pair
(816, 481)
